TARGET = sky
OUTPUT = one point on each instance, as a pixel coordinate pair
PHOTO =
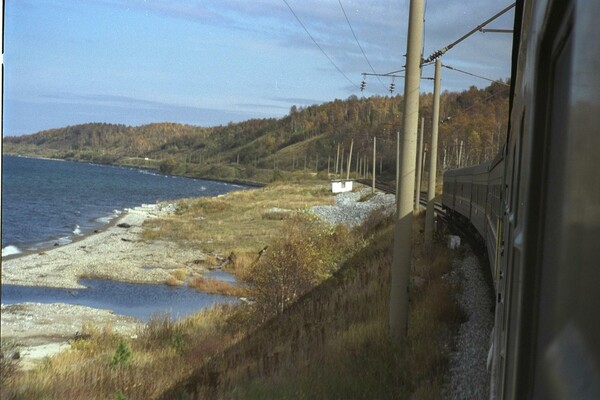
(211, 62)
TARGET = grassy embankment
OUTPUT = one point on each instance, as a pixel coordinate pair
(350, 356)
(232, 229)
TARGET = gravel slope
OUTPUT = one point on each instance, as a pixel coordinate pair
(350, 211)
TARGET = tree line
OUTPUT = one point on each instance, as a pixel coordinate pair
(472, 130)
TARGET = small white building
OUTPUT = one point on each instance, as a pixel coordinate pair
(341, 185)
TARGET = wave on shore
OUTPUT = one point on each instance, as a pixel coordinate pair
(10, 251)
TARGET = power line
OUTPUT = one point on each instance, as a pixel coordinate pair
(476, 76)
(320, 48)
(479, 27)
(358, 43)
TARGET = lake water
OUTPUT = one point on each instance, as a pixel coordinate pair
(49, 201)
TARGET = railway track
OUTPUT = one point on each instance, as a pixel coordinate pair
(454, 226)
(391, 189)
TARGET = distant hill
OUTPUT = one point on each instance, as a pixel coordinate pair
(308, 137)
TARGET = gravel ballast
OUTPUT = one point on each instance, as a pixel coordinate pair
(350, 211)
(468, 375)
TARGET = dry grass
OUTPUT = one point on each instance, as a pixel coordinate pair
(164, 352)
(360, 362)
(180, 274)
(173, 281)
(235, 222)
(217, 287)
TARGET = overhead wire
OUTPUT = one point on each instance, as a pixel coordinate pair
(475, 75)
(443, 50)
(320, 48)
(359, 46)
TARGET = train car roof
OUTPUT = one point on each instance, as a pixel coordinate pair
(474, 170)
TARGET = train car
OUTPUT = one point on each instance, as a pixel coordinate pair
(542, 212)
(547, 342)
(463, 189)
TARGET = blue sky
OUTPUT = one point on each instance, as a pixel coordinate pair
(214, 61)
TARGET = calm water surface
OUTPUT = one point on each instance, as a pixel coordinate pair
(134, 300)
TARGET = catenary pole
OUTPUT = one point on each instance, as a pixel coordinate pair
(349, 160)
(374, 162)
(398, 315)
(433, 159)
(419, 165)
(337, 158)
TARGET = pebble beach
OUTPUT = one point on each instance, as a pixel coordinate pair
(116, 252)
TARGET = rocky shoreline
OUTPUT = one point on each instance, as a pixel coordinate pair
(117, 252)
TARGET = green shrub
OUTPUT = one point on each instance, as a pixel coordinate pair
(277, 176)
(168, 165)
(122, 356)
(119, 395)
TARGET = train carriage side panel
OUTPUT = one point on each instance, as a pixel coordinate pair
(448, 194)
(494, 213)
(478, 198)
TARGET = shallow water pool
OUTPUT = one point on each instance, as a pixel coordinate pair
(135, 300)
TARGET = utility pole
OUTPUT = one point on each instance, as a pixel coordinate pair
(433, 159)
(406, 189)
(337, 158)
(374, 162)
(419, 165)
(397, 165)
(349, 160)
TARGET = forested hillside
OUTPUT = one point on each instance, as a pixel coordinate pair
(473, 129)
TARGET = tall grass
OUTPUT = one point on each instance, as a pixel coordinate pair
(105, 364)
(358, 360)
